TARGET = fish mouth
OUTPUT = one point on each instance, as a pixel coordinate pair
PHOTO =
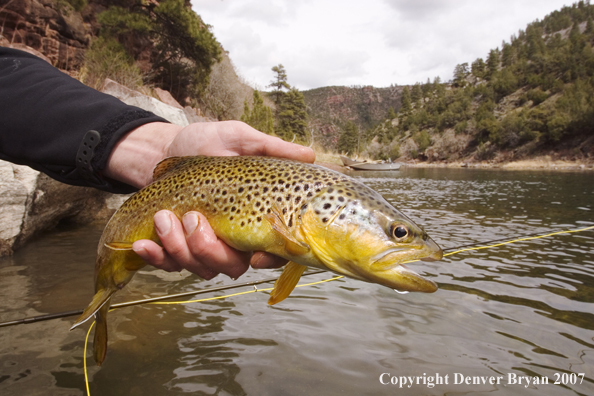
(429, 251)
(387, 267)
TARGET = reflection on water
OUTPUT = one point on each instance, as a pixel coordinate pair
(524, 309)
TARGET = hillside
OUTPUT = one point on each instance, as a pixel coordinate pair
(142, 45)
(330, 108)
(532, 97)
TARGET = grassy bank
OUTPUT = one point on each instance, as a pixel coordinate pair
(537, 163)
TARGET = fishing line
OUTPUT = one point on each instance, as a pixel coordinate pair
(519, 239)
(256, 290)
(460, 249)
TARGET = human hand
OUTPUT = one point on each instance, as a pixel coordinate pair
(135, 156)
(191, 242)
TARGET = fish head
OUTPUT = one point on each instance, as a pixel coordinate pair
(353, 231)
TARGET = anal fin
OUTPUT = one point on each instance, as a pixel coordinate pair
(285, 284)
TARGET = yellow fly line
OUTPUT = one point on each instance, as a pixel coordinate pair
(518, 240)
(326, 280)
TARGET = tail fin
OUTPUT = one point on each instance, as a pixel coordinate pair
(100, 341)
(99, 300)
(285, 284)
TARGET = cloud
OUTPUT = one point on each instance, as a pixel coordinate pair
(420, 10)
(351, 42)
(326, 66)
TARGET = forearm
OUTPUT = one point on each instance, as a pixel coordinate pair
(45, 115)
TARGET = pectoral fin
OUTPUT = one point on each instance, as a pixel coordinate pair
(285, 284)
(119, 245)
(292, 245)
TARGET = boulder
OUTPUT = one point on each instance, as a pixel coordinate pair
(31, 202)
(167, 98)
(135, 98)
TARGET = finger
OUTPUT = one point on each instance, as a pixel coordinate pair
(213, 252)
(172, 236)
(254, 142)
(266, 260)
(155, 255)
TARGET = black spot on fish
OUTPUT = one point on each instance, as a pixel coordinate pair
(327, 206)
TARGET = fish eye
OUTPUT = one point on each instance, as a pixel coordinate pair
(398, 231)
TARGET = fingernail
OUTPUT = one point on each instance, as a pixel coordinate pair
(140, 251)
(190, 222)
(162, 223)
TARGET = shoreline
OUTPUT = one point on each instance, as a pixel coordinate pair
(544, 163)
(532, 164)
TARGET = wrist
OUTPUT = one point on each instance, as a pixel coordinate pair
(135, 156)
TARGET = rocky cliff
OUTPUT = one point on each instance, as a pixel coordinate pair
(50, 27)
(329, 108)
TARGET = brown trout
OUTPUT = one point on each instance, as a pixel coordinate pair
(309, 215)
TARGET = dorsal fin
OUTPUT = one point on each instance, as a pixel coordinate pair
(167, 165)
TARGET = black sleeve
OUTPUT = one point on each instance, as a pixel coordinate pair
(45, 117)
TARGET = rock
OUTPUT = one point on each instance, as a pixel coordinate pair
(135, 98)
(49, 27)
(31, 202)
(193, 115)
(167, 98)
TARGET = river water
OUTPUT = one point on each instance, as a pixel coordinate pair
(519, 312)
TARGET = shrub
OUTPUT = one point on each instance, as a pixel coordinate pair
(423, 140)
(108, 59)
(537, 96)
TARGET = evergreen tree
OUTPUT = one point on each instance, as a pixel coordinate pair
(292, 116)
(391, 113)
(492, 62)
(406, 104)
(278, 84)
(260, 116)
(185, 49)
(349, 139)
(460, 74)
(478, 68)
(417, 93)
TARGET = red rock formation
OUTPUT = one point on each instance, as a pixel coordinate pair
(60, 34)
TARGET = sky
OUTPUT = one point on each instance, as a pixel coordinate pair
(363, 42)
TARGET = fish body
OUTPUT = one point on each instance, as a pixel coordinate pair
(307, 214)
